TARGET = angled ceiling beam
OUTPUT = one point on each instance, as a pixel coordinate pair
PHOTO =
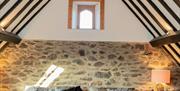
(8, 36)
(177, 3)
(3, 3)
(166, 39)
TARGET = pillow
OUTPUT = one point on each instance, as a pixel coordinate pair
(78, 88)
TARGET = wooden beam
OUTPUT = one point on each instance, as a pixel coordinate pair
(27, 14)
(153, 17)
(176, 58)
(170, 10)
(138, 17)
(166, 39)
(177, 3)
(3, 3)
(9, 37)
(17, 14)
(32, 17)
(161, 14)
(11, 9)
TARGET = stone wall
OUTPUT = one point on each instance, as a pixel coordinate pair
(104, 64)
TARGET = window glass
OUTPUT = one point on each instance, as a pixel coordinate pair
(86, 19)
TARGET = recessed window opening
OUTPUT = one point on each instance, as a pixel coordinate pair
(86, 15)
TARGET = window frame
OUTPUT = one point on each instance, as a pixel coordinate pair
(73, 5)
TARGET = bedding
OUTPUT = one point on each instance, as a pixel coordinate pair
(78, 88)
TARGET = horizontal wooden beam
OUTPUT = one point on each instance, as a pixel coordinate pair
(9, 37)
(166, 39)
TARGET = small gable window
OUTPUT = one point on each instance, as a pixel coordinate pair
(86, 14)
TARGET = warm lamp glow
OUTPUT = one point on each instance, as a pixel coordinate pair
(3, 64)
(3, 24)
(167, 27)
(160, 76)
(1, 28)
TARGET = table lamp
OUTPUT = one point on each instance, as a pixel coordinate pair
(160, 77)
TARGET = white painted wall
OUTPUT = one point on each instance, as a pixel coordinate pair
(120, 25)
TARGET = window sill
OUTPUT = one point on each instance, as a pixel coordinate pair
(85, 29)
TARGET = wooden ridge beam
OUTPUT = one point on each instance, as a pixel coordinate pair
(166, 39)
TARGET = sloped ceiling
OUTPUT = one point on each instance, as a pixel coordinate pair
(161, 18)
(15, 15)
(120, 25)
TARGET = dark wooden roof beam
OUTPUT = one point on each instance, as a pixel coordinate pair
(166, 39)
(9, 37)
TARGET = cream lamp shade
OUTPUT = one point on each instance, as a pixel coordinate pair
(160, 76)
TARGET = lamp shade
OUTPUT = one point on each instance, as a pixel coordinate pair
(160, 76)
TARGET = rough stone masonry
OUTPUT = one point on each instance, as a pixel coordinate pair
(104, 64)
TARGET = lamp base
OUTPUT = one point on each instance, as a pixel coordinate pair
(160, 87)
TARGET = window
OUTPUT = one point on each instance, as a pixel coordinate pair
(86, 14)
(86, 20)
(86, 17)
